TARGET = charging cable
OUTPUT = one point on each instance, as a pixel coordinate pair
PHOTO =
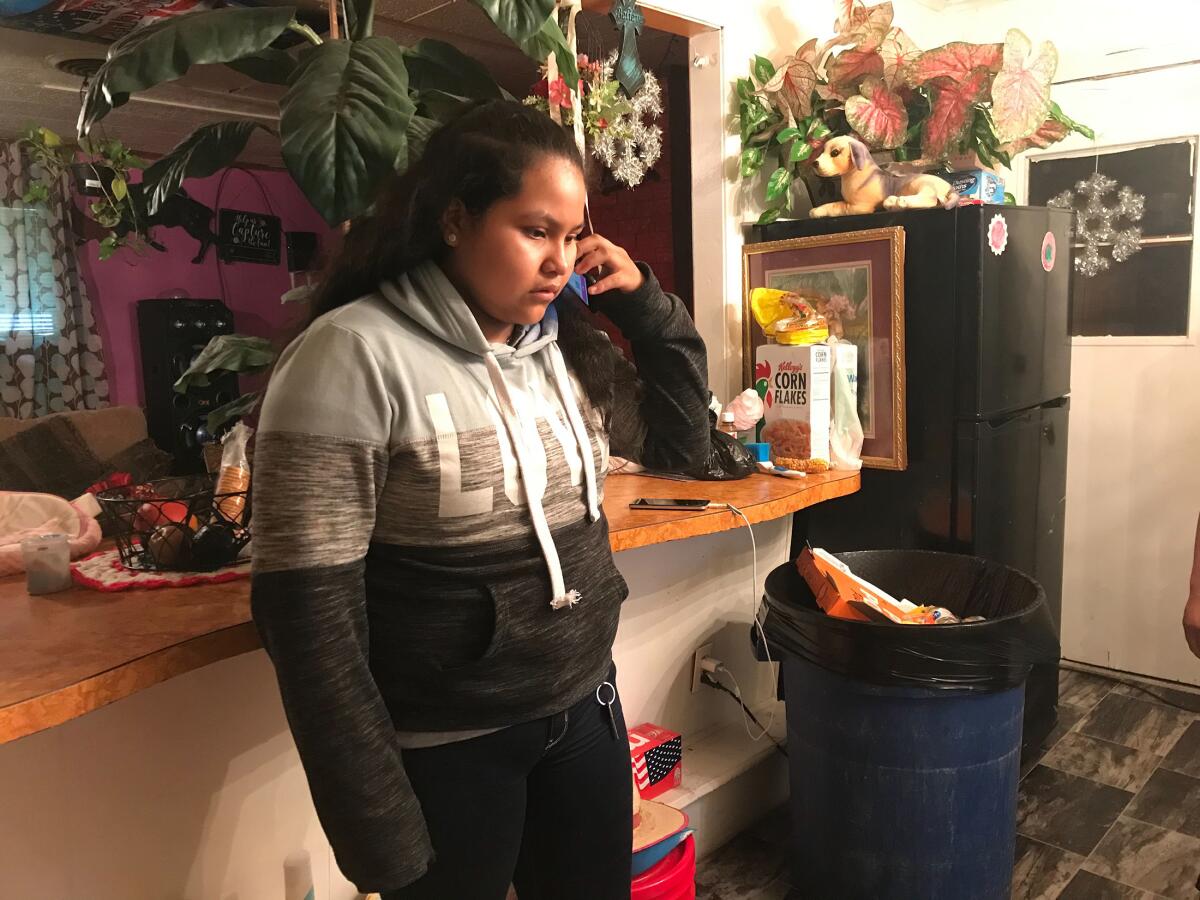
(719, 667)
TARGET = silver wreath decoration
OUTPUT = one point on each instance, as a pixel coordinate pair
(629, 146)
(1097, 225)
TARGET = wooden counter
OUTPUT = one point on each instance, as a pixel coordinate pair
(63, 655)
(760, 497)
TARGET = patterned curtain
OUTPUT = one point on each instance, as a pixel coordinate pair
(51, 359)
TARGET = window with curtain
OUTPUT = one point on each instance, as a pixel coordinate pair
(52, 358)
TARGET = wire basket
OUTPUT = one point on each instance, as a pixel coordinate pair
(176, 524)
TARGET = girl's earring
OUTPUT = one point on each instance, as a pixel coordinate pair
(452, 239)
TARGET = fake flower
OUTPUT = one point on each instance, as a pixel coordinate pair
(871, 80)
(559, 94)
(620, 131)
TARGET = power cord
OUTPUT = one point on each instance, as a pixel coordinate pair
(1159, 697)
(712, 682)
(763, 730)
(1165, 701)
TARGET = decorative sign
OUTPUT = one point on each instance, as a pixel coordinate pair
(1049, 251)
(629, 21)
(998, 234)
(249, 237)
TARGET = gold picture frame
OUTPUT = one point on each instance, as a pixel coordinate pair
(857, 281)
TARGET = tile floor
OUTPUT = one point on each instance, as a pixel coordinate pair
(1110, 810)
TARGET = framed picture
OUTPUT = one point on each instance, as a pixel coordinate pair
(856, 280)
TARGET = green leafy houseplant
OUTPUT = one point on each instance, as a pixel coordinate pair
(354, 109)
(107, 162)
(925, 107)
(228, 353)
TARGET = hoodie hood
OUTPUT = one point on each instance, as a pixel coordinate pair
(426, 296)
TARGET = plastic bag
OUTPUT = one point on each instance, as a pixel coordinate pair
(787, 318)
(728, 459)
(845, 429)
(987, 656)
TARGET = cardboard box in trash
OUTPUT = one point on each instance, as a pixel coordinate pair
(657, 757)
(844, 595)
(796, 405)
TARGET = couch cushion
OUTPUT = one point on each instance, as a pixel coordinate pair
(106, 431)
(50, 457)
(143, 460)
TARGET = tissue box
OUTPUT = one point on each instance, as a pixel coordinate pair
(657, 757)
(978, 186)
(796, 406)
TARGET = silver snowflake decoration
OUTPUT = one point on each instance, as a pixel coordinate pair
(1098, 226)
(630, 145)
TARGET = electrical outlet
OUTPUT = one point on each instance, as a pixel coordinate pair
(701, 652)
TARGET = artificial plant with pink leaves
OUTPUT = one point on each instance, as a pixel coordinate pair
(872, 80)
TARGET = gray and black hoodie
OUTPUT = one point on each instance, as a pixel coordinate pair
(430, 553)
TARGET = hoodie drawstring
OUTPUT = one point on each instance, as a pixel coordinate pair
(567, 395)
(561, 597)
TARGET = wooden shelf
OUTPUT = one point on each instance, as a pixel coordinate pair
(64, 655)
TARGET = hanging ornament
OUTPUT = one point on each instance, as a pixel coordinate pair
(1097, 226)
(629, 21)
(621, 133)
(631, 143)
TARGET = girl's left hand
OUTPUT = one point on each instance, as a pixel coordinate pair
(1191, 623)
(617, 270)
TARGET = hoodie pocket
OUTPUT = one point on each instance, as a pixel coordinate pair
(443, 629)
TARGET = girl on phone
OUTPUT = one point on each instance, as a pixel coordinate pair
(432, 572)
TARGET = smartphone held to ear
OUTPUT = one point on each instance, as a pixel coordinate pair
(673, 503)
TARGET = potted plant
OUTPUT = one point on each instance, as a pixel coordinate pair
(354, 109)
(99, 169)
(988, 101)
(237, 353)
(396, 96)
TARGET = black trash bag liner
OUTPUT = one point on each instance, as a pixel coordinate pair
(728, 459)
(987, 656)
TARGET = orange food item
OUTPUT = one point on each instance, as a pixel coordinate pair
(233, 480)
(234, 477)
(151, 515)
(812, 466)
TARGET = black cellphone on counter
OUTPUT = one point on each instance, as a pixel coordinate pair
(668, 503)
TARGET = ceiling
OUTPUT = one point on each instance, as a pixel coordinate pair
(156, 120)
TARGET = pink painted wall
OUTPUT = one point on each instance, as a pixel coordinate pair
(250, 290)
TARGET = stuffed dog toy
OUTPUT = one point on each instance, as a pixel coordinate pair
(866, 187)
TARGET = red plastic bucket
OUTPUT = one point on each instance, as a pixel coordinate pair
(671, 878)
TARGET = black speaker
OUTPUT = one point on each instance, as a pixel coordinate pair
(301, 250)
(171, 333)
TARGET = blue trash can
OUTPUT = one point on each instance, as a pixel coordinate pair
(904, 741)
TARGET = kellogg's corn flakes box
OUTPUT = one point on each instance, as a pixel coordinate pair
(795, 401)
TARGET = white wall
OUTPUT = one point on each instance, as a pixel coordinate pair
(191, 790)
(1133, 486)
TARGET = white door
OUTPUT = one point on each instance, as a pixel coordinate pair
(1133, 471)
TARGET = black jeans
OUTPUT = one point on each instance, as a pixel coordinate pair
(546, 805)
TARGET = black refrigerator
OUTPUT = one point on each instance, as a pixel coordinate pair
(988, 358)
